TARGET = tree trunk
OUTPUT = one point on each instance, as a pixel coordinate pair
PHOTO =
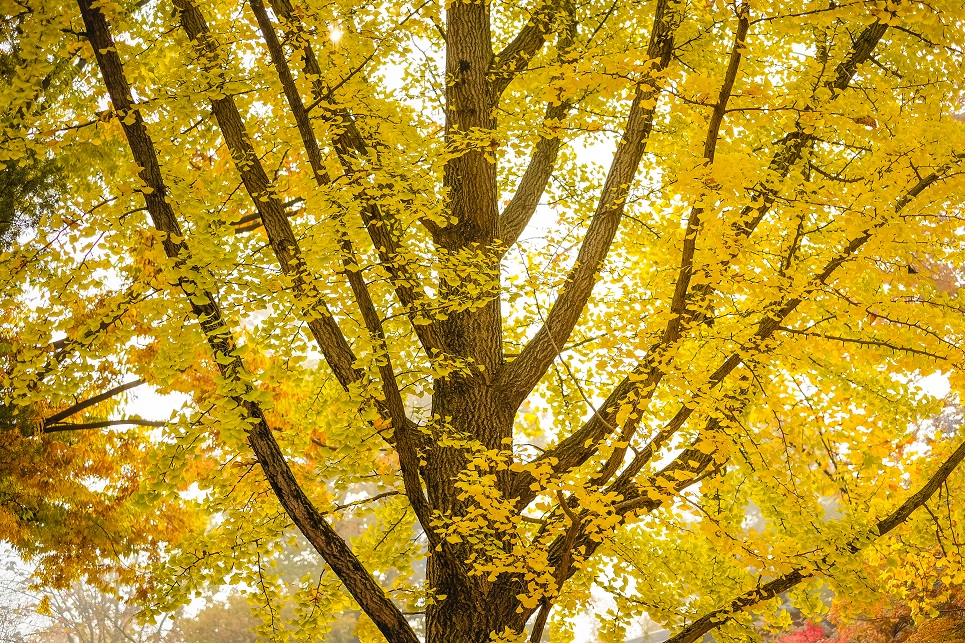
(471, 612)
(473, 608)
(460, 616)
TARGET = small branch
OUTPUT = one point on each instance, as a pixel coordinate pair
(863, 342)
(83, 426)
(562, 571)
(363, 501)
(835, 177)
(86, 404)
(397, 27)
(241, 225)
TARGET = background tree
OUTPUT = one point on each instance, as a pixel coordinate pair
(68, 492)
(893, 623)
(17, 616)
(234, 617)
(220, 622)
(374, 246)
(86, 614)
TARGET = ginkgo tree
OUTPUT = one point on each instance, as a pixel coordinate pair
(559, 294)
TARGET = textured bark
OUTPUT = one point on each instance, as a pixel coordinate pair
(474, 410)
(467, 614)
(470, 177)
(468, 403)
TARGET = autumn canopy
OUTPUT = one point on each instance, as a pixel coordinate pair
(654, 303)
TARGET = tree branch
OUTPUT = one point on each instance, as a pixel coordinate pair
(349, 144)
(517, 214)
(62, 347)
(83, 426)
(581, 445)
(518, 377)
(253, 221)
(404, 434)
(768, 325)
(791, 147)
(696, 463)
(872, 343)
(772, 320)
(576, 449)
(329, 337)
(576, 538)
(681, 296)
(303, 513)
(515, 56)
(86, 404)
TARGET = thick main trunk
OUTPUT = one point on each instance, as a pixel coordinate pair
(468, 613)
(470, 179)
(473, 607)
(457, 617)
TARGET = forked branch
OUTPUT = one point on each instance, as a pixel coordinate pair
(658, 356)
(515, 56)
(520, 376)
